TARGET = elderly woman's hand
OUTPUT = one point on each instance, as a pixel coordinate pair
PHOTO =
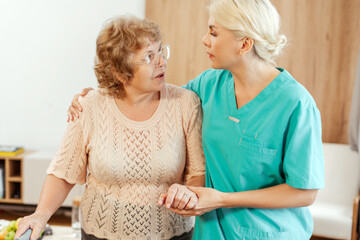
(179, 197)
(75, 106)
(35, 221)
(208, 200)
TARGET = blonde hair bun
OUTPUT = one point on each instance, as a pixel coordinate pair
(255, 19)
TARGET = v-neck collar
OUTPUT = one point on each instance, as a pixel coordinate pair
(278, 82)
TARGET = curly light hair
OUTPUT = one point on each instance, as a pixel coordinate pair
(119, 39)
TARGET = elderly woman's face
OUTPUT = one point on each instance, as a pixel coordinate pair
(150, 73)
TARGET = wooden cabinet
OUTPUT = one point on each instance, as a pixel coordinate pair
(24, 176)
(13, 181)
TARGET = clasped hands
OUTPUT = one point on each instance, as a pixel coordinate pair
(189, 201)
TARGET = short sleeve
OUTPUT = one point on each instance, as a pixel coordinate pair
(195, 159)
(195, 84)
(303, 162)
(70, 161)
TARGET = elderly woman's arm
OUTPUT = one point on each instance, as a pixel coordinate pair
(61, 178)
(53, 194)
(196, 181)
(179, 196)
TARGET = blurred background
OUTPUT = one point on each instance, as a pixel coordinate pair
(47, 51)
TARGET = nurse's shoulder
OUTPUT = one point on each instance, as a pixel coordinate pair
(182, 97)
(207, 81)
(296, 95)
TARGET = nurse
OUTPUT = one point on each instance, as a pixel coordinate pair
(261, 132)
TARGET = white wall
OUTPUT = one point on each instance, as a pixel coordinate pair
(47, 49)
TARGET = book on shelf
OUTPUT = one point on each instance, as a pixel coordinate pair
(7, 150)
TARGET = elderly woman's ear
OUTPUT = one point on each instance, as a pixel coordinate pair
(117, 75)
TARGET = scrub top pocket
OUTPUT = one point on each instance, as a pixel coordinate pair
(257, 165)
(251, 145)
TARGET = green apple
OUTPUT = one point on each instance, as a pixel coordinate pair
(12, 226)
(10, 236)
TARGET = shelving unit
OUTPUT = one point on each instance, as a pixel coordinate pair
(13, 178)
(24, 176)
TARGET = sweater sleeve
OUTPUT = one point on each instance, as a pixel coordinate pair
(195, 159)
(70, 161)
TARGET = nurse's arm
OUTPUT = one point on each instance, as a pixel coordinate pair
(280, 196)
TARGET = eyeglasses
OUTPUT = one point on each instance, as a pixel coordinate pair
(153, 57)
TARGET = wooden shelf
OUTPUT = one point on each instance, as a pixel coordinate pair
(11, 200)
(13, 177)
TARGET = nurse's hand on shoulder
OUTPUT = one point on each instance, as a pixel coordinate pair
(179, 197)
(75, 107)
(209, 199)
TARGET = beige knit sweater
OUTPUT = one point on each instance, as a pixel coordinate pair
(126, 164)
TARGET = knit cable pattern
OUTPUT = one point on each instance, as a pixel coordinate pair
(126, 165)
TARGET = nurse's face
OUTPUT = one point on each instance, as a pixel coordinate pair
(222, 46)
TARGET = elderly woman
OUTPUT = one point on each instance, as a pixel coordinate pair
(261, 132)
(135, 138)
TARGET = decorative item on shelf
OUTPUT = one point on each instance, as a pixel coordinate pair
(16, 194)
(7, 150)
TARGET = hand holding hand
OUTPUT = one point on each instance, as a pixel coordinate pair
(208, 200)
(75, 106)
(179, 197)
(35, 221)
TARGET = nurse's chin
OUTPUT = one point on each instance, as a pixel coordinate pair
(215, 65)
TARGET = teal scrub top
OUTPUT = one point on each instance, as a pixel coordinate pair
(273, 139)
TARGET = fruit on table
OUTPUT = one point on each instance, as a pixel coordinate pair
(3, 234)
(8, 232)
(10, 235)
(17, 222)
(12, 226)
